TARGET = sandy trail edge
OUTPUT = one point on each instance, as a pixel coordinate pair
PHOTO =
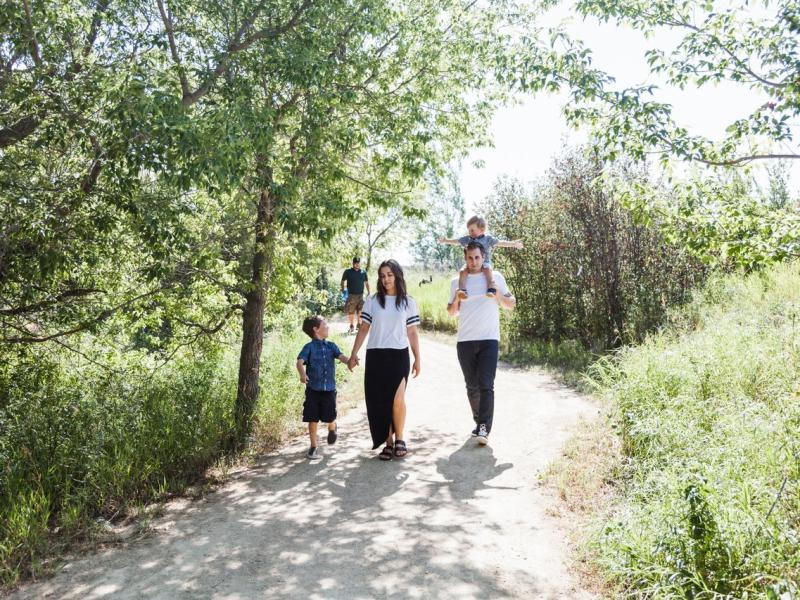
(452, 520)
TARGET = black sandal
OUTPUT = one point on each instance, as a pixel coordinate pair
(400, 449)
(386, 453)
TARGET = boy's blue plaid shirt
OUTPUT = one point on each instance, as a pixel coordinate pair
(320, 357)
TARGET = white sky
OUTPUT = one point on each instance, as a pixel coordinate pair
(528, 136)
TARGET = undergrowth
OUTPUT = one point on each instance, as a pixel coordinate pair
(708, 413)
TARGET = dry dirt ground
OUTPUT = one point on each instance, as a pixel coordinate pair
(452, 520)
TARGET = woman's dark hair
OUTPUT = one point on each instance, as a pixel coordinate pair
(399, 284)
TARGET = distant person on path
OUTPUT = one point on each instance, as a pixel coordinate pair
(317, 368)
(479, 336)
(390, 319)
(476, 228)
(356, 281)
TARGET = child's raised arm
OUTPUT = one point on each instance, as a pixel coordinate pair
(453, 242)
(510, 244)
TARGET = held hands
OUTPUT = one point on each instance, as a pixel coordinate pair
(352, 363)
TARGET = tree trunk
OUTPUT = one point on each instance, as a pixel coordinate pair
(253, 317)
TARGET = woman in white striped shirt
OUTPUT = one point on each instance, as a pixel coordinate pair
(390, 318)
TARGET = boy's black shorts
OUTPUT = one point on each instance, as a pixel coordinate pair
(319, 406)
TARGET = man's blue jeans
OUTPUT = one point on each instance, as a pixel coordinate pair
(478, 361)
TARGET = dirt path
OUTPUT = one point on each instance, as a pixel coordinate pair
(453, 520)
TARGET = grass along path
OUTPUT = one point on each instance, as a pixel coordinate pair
(453, 520)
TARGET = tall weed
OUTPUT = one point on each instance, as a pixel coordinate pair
(432, 299)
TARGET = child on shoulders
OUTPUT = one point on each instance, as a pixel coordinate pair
(476, 228)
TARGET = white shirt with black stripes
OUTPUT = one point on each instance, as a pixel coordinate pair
(388, 325)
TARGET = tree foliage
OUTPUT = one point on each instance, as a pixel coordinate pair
(156, 153)
(755, 45)
(445, 218)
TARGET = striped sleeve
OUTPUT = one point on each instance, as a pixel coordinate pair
(412, 314)
(366, 311)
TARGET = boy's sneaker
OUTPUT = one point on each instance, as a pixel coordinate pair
(332, 435)
(313, 453)
(483, 435)
(475, 431)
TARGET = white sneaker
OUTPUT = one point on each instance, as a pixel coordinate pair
(483, 435)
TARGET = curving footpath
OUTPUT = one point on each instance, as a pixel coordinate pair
(452, 520)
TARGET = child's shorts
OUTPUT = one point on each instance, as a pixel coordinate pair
(319, 406)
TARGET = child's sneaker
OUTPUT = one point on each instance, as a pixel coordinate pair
(462, 294)
(313, 453)
(332, 435)
(351, 331)
(483, 435)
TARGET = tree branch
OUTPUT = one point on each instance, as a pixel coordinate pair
(375, 189)
(240, 45)
(173, 48)
(28, 124)
(37, 59)
(74, 293)
(32, 339)
(746, 159)
(18, 131)
(717, 42)
(207, 329)
(386, 229)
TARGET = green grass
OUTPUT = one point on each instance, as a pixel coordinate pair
(708, 413)
(432, 300)
(568, 360)
(78, 441)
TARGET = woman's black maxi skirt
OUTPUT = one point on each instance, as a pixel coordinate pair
(384, 370)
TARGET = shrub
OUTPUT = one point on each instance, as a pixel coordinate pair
(588, 272)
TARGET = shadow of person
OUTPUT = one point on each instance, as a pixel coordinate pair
(366, 481)
(468, 469)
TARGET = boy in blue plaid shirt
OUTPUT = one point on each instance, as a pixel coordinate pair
(317, 368)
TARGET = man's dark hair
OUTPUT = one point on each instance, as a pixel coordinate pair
(472, 246)
(310, 323)
(356, 259)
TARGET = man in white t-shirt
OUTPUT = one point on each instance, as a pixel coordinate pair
(479, 336)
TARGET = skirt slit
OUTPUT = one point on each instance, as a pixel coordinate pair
(385, 369)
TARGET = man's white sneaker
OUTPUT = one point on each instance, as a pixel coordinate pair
(483, 435)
